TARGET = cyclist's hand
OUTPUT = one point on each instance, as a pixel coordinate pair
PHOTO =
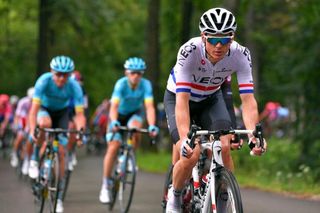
(114, 125)
(254, 145)
(185, 149)
(32, 137)
(153, 130)
(236, 142)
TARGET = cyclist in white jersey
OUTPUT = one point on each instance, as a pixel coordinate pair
(193, 88)
(21, 127)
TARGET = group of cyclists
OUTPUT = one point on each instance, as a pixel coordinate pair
(198, 91)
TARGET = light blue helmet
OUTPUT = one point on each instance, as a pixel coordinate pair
(135, 64)
(62, 64)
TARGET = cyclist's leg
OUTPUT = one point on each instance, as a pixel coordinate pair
(183, 167)
(71, 146)
(44, 121)
(135, 120)
(17, 144)
(114, 141)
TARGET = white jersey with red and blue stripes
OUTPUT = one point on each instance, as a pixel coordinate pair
(194, 73)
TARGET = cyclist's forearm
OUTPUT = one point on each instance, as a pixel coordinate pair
(33, 117)
(250, 112)
(80, 120)
(151, 114)
(114, 112)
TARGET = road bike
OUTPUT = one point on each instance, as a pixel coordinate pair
(215, 188)
(124, 171)
(47, 186)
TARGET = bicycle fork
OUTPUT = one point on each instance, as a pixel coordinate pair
(210, 194)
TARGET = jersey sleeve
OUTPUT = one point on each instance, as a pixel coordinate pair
(244, 73)
(148, 95)
(182, 71)
(116, 94)
(39, 89)
(77, 97)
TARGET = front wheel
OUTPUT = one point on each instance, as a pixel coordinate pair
(127, 183)
(228, 196)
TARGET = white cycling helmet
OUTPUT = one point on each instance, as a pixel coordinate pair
(30, 92)
(217, 21)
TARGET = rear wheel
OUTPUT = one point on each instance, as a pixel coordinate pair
(187, 193)
(228, 196)
(127, 183)
(67, 176)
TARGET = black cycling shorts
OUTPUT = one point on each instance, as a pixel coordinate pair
(59, 119)
(210, 114)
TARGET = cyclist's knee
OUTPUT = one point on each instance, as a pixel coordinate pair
(113, 146)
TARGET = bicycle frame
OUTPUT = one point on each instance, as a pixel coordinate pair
(214, 145)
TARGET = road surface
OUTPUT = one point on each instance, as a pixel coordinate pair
(16, 196)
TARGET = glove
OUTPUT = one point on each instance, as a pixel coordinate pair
(114, 124)
(185, 149)
(153, 129)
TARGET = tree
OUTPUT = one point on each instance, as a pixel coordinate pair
(153, 49)
(43, 36)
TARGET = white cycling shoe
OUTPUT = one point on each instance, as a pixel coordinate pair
(33, 169)
(104, 196)
(14, 161)
(59, 208)
(174, 203)
(25, 167)
(74, 159)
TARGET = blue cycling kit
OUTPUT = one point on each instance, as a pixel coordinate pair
(55, 98)
(131, 100)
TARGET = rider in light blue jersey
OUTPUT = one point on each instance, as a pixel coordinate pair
(49, 109)
(132, 94)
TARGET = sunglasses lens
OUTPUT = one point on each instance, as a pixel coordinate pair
(60, 75)
(138, 73)
(222, 40)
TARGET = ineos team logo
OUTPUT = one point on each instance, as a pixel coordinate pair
(208, 80)
(185, 52)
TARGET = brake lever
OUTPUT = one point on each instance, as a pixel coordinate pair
(258, 133)
(191, 135)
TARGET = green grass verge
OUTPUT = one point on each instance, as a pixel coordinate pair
(153, 162)
(272, 172)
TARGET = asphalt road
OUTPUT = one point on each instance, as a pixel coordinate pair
(16, 196)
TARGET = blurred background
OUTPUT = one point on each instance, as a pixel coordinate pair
(99, 35)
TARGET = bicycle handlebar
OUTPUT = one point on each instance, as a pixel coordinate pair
(56, 131)
(135, 130)
(195, 131)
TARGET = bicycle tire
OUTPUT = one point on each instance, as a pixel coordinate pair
(67, 176)
(127, 183)
(40, 190)
(115, 186)
(228, 196)
(54, 183)
(167, 183)
(187, 193)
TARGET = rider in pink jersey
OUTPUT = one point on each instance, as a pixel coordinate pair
(5, 113)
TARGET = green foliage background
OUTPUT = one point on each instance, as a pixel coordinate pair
(99, 35)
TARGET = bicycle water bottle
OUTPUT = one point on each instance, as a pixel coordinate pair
(46, 168)
(121, 164)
